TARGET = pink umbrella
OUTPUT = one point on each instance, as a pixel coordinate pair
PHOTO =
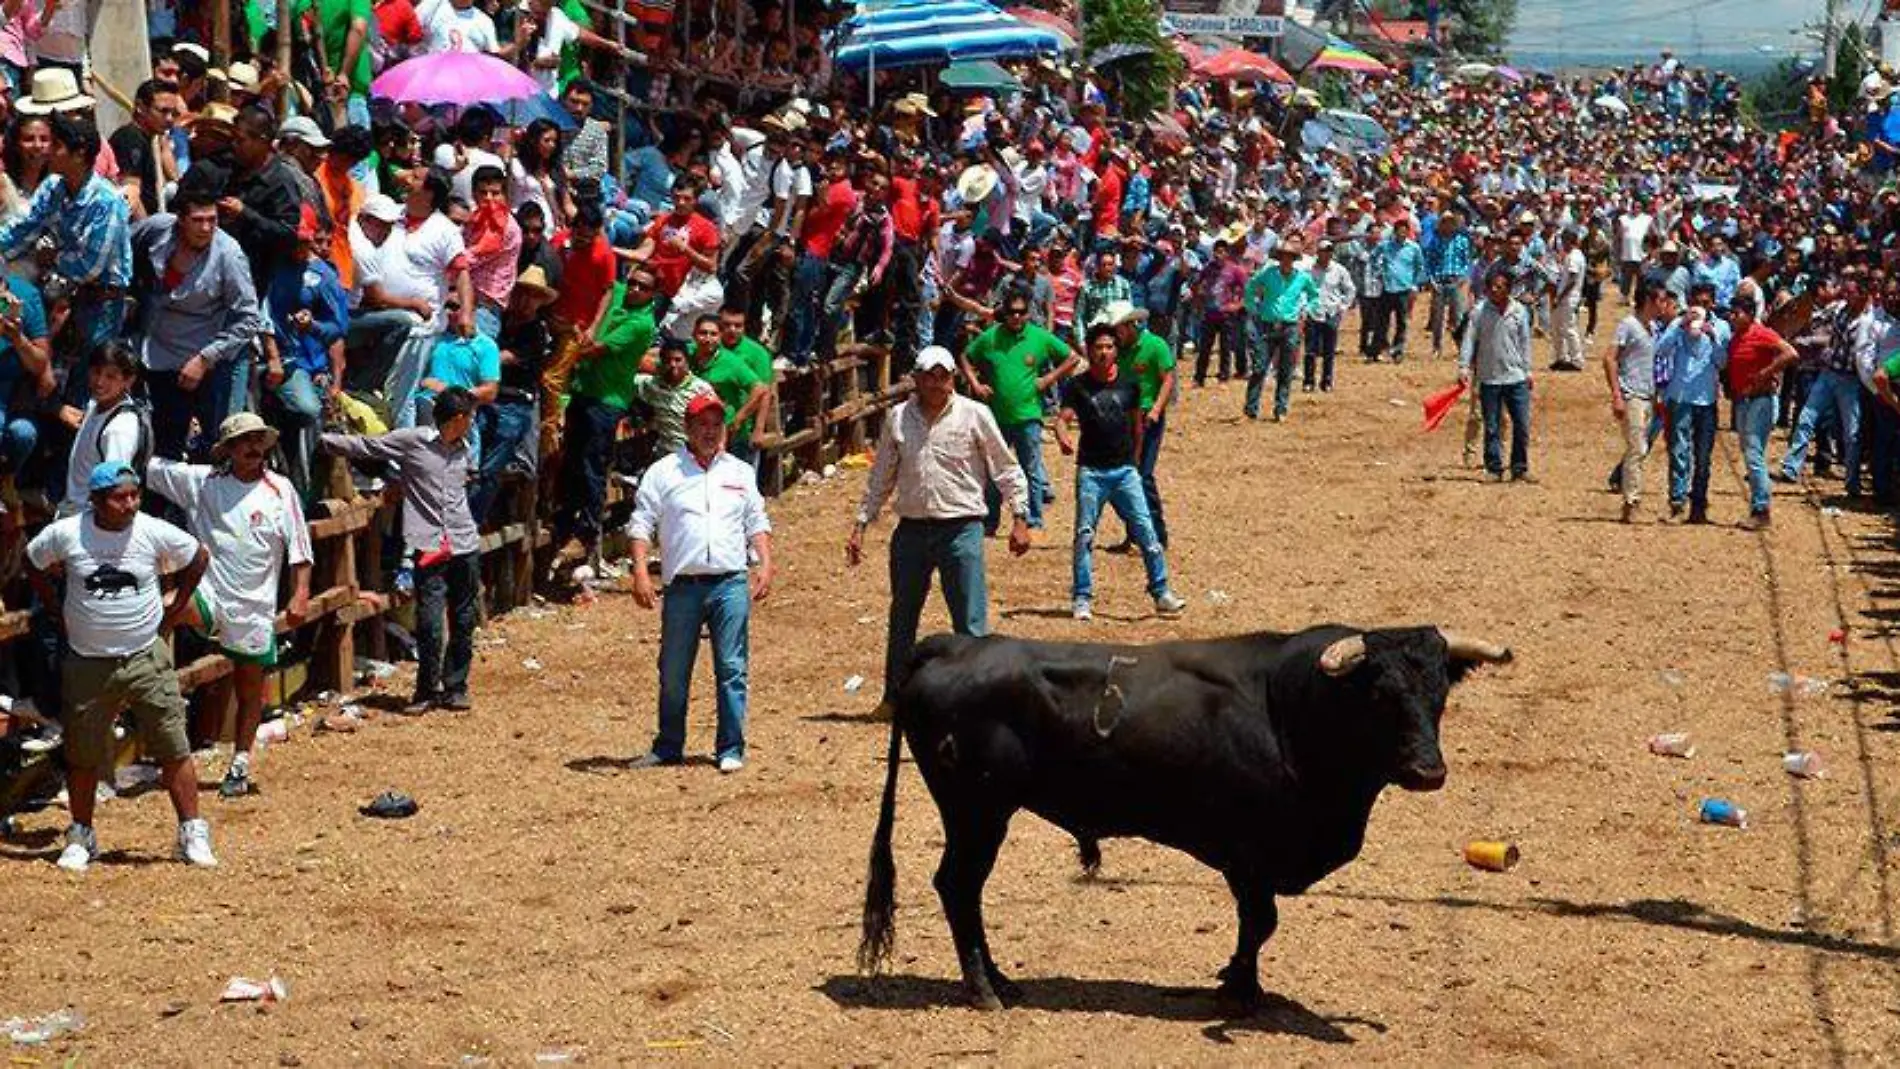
(454, 78)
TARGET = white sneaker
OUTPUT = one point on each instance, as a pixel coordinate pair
(1168, 603)
(1082, 609)
(729, 764)
(194, 844)
(81, 847)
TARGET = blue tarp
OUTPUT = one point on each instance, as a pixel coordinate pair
(916, 34)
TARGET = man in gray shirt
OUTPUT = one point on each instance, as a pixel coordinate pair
(1497, 351)
(1631, 371)
(198, 316)
(440, 540)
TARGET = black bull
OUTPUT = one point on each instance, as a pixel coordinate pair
(1259, 755)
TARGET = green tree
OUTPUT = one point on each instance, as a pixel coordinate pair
(1777, 98)
(1480, 26)
(1143, 83)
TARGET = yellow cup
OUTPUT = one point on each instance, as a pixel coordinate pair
(1495, 856)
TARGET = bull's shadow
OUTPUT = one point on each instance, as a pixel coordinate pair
(1276, 1014)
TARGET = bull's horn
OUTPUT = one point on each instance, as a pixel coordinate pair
(1343, 656)
(1475, 649)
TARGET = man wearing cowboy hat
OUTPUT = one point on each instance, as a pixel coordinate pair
(1279, 298)
(507, 424)
(1145, 358)
(251, 517)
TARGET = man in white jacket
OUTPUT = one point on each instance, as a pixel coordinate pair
(1336, 294)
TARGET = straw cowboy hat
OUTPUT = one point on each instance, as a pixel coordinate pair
(242, 77)
(913, 104)
(239, 426)
(53, 89)
(216, 119)
(534, 283)
(976, 183)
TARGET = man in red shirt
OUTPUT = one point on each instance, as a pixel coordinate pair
(1108, 196)
(1756, 358)
(677, 244)
(915, 217)
(587, 278)
(823, 221)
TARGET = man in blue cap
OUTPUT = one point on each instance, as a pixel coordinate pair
(114, 618)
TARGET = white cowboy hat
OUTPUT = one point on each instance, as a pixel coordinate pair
(1119, 312)
(54, 89)
(976, 183)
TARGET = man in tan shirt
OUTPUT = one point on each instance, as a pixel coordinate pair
(936, 456)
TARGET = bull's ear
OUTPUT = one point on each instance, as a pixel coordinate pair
(1343, 656)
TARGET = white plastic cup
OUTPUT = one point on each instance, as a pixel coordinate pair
(1672, 744)
(1803, 763)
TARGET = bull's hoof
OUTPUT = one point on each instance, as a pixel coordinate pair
(1008, 990)
(985, 1000)
(1239, 998)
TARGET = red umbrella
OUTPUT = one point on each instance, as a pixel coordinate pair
(1194, 54)
(1049, 19)
(1240, 65)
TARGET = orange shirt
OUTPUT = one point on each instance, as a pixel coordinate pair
(343, 195)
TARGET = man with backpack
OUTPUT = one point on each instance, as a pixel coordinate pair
(113, 426)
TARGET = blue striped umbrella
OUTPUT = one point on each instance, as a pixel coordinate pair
(916, 34)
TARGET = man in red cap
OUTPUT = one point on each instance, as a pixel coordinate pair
(703, 504)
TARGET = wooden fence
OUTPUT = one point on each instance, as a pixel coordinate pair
(824, 413)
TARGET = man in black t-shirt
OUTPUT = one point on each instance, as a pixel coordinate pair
(143, 147)
(1106, 406)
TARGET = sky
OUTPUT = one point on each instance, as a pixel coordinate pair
(1627, 29)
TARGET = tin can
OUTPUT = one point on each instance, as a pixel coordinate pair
(1803, 763)
(1492, 855)
(1672, 744)
(1721, 811)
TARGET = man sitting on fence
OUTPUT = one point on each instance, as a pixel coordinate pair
(439, 537)
(118, 657)
(251, 518)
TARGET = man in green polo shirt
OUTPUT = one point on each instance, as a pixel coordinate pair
(740, 388)
(1146, 358)
(599, 393)
(343, 27)
(1011, 366)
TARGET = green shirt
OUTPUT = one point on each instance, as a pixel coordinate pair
(1149, 361)
(733, 380)
(1010, 364)
(669, 405)
(626, 334)
(755, 356)
(1272, 297)
(1891, 366)
(335, 16)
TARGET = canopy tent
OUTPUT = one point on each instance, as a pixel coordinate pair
(1240, 65)
(921, 33)
(1048, 20)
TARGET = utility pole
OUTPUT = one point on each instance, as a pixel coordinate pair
(1830, 39)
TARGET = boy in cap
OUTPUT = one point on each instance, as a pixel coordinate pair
(252, 516)
(114, 618)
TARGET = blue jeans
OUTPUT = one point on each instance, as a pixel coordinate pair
(1496, 402)
(1755, 421)
(1691, 447)
(723, 606)
(300, 403)
(506, 426)
(1275, 349)
(1120, 488)
(803, 310)
(1025, 440)
(587, 444)
(1322, 348)
(952, 548)
(841, 279)
(1229, 335)
(405, 376)
(1839, 394)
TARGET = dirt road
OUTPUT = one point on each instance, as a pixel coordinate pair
(546, 900)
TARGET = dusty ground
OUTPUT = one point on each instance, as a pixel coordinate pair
(547, 901)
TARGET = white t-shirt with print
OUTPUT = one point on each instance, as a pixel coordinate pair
(251, 530)
(113, 605)
(415, 262)
(445, 29)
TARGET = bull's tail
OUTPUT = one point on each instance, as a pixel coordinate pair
(880, 884)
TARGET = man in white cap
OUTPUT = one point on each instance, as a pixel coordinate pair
(253, 520)
(938, 453)
(381, 313)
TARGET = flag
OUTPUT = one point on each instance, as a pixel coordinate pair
(1439, 405)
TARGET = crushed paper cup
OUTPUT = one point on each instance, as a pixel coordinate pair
(242, 989)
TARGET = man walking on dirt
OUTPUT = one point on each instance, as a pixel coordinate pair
(938, 453)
